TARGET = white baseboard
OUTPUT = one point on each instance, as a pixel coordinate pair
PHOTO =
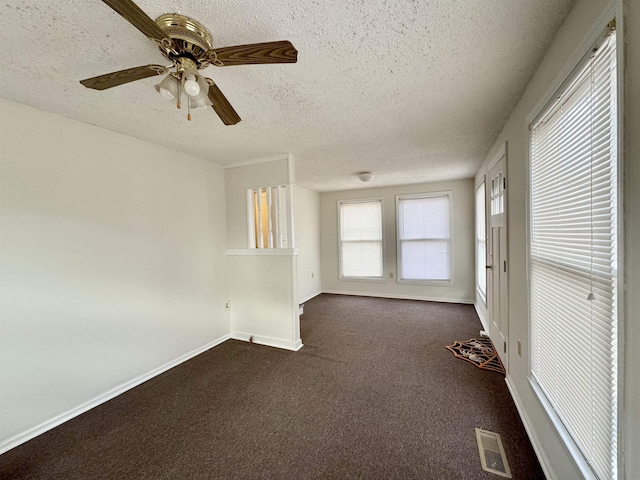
(533, 436)
(309, 297)
(23, 437)
(485, 325)
(268, 341)
(401, 297)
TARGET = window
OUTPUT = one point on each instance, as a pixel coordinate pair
(424, 237)
(573, 255)
(481, 243)
(497, 194)
(361, 239)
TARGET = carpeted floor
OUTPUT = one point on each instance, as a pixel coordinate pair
(373, 394)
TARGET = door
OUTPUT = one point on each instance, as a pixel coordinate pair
(497, 268)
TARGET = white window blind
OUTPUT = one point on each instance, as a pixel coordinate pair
(573, 257)
(361, 239)
(424, 237)
(481, 243)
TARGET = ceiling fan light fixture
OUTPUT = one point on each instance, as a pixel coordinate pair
(204, 88)
(166, 94)
(197, 103)
(168, 87)
(191, 86)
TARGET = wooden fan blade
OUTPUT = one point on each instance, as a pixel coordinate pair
(121, 77)
(136, 17)
(254, 54)
(221, 105)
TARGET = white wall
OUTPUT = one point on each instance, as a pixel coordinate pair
(112, 261)
(238, 180)
(264, 284)
(463, 287)
(566, 46)
(307, 226)
(264, 300)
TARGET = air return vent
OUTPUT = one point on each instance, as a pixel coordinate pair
(492, 453)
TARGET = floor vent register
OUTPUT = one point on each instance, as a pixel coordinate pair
(492, 454)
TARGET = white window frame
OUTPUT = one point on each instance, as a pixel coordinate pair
(381, 278)
(399, 198)
(613, 11)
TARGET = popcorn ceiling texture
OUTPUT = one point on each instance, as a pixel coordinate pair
(415, 91)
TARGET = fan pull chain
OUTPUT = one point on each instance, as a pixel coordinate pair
(180, 91)
(189, 109)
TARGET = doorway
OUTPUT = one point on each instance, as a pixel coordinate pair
(497, 267)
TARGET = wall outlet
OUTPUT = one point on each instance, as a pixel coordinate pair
(519, 348)
(227, 305)
(390, 274)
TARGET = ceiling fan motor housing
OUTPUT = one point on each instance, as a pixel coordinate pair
(191, 39)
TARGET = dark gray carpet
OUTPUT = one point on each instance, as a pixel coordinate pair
(373, 394)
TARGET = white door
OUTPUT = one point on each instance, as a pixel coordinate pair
(497, 299)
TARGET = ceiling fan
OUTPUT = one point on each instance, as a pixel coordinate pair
(187, 44)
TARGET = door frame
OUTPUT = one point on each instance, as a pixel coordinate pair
(502, 350)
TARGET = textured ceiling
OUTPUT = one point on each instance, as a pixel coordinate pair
(413, 90)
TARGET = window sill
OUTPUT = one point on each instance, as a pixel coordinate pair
(563, 433)
(435, 283)
(362, 279)
(285, 252)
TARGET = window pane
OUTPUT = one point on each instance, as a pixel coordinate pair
(423, 234)
(361, 221)
(425, 218)
(497, 195)
(361, 239)
(362, 259)
(425, 259)
(481, 247)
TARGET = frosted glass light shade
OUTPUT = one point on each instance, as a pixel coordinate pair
(197, 103)
(168, 88)
(201, 100)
